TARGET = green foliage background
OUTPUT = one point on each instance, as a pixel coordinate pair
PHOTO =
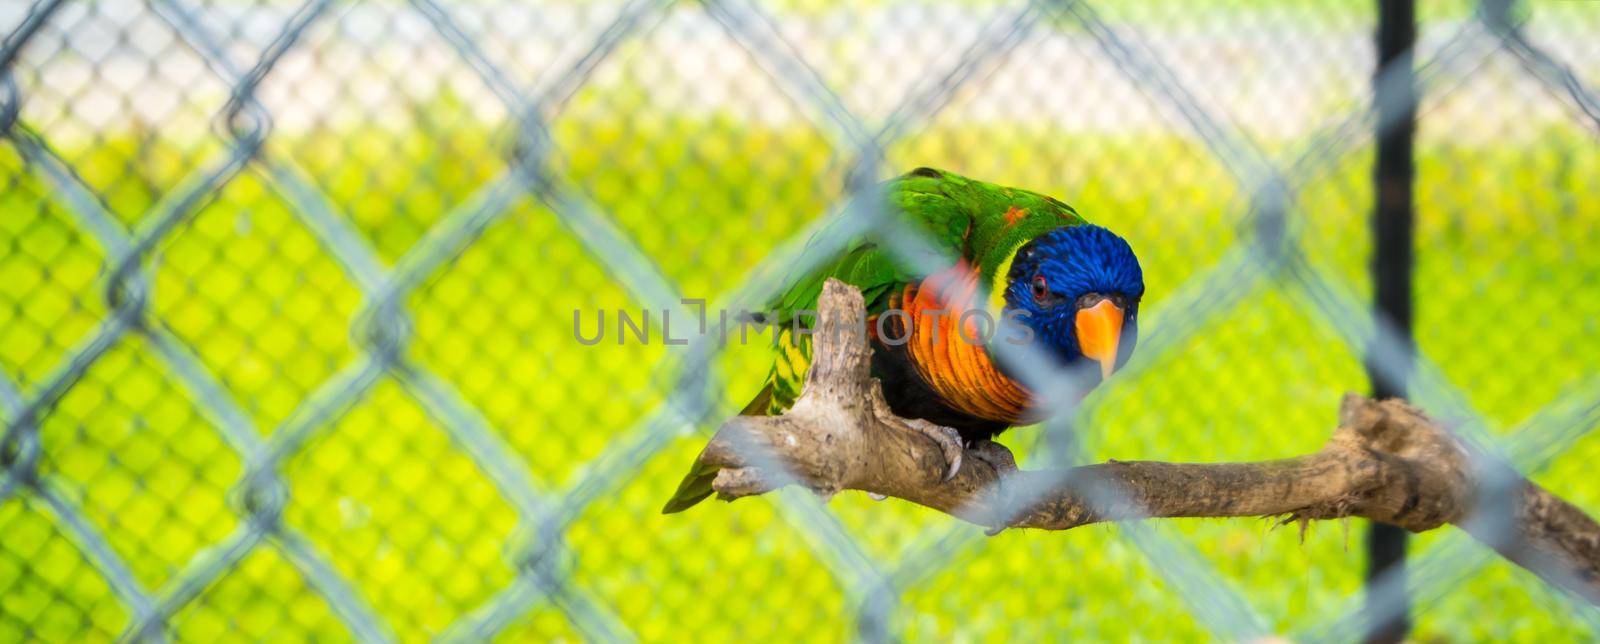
(1506, 278)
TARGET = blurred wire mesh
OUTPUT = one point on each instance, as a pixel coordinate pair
(286, 298)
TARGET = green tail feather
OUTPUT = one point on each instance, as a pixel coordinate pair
(696, 485)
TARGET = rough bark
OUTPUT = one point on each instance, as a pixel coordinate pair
(1386, 461)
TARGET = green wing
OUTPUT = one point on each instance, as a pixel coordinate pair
(918, 199)
(941, 205)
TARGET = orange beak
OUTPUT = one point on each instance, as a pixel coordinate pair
(1099, 330)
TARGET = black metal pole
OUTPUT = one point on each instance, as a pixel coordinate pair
(1393, 228)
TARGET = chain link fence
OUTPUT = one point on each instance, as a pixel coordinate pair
(287, 293)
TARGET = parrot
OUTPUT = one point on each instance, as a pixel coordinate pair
(1072, 287)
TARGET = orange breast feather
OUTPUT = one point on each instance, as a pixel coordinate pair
(954, 361)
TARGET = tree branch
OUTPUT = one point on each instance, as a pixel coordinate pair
(1386, 461)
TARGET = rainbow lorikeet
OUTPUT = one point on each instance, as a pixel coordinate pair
(1072, 286)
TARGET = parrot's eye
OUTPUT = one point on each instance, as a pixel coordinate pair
(1041, 290)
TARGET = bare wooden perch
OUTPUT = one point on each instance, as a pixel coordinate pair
(1386, 462)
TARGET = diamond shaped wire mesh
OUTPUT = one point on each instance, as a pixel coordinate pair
(285, 292)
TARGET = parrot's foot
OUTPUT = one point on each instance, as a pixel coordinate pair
(949, 441)
(1004, 464)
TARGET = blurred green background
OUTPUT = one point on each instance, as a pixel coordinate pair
(707, 164)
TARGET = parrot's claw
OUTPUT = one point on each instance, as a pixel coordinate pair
(1004, 464)
(949, 441)
(877, 497)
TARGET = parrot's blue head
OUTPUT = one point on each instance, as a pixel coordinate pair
(1077, 289)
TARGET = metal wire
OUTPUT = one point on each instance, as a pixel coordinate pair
(1270, 251)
